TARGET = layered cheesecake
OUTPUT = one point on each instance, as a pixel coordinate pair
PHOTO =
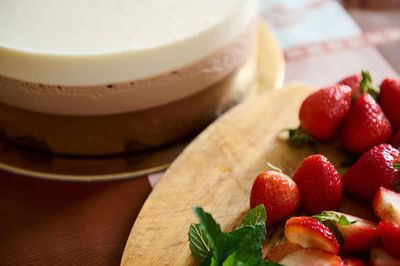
(91, 77)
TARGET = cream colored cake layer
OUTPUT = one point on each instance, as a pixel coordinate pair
(93, 42)
(113, 98)
(96, 57)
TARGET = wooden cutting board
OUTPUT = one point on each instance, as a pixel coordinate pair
(216, 172)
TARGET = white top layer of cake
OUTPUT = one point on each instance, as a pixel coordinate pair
(94, 42)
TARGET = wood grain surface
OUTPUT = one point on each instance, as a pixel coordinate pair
(216, 172)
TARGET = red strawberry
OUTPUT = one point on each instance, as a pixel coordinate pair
(353, 262)
(353, 82)
(390, 235)
(277, 192)
(277, 253)
(310, 257)
(309, 232)
(395, 140)
(380, 257)
(386, 205)
(319, 184)
(372, 170)
(389, 99)
(322, 112)
(355, 233)
(365, 125)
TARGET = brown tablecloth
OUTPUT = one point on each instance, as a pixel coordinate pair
(46, 222)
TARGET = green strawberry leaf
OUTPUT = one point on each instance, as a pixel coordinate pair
(199, 244)
(338, 235)
(397, 166)
(275, 168)
(333, 217)
(397, 188)
(255, 216)
(299, 137)
(368, 86)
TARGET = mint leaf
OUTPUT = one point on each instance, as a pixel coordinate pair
(213, 232)
(397, 166)
(198, 243)
(243, 246)
(249, 250)
(255, 216)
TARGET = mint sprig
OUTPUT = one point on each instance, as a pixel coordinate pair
(243, 246)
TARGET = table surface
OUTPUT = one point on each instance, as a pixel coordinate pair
(45, 222)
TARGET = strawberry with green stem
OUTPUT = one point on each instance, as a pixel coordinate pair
(278, 192)
(366, 124)
(321, 113)
(353, 233)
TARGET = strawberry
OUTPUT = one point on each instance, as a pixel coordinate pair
(323, 111)
(309, 232)
(353, 82)
(311, 256)
(277, 253)
(277, 192)
(372, 170)
(386, 205)
(353, 262)
(365, 125)
(360, 83)
(319, 184)
(380, 257)
(353, 233)
(389, 99)
(390, 235)
(395, 140)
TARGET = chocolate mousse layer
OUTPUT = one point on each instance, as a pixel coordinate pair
(96, 135)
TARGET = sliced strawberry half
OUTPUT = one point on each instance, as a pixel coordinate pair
(390, 235)
(386, 205)
(353, 262)
(277, 253)
(380, 257)
(311, 256)
(353, 233)
(311, 233)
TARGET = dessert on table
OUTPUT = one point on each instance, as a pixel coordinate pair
(99, 78)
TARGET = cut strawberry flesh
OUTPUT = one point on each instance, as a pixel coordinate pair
(311, 257)
(353, 262)
(359, 236)
(380, 257)
(277, 253)
(387, 205)
(309, 232)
